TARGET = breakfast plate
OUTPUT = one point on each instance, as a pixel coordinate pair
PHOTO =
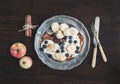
(52, 56)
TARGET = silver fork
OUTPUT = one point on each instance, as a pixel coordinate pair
(93, 63)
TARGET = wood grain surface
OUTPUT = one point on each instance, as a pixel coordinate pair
(12, 13)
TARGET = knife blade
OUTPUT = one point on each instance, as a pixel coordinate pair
(96, 27)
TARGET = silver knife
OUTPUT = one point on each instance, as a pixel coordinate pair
(95, 27)
(100, 47)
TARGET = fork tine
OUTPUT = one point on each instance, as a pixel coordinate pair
(93, 29)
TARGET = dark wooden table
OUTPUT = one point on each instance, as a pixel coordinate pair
(12, 13)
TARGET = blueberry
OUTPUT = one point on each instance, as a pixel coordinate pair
(77, 47)
(62, 50)
(54, 34)
(76, 51)
(62, 47)
(65, 37)
(66, 54)
(70, 37)
(49, 55)
(57, 51)
(46, 42)
(44, 46)
(70, 41)
(41, 49)
(75, 41)
(62, 43)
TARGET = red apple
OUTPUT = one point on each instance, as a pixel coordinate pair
(25, 62)
(18, 50)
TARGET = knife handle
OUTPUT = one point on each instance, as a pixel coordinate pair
(94, 57)
(102, 53)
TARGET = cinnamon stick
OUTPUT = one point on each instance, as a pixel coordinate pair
(28, 21)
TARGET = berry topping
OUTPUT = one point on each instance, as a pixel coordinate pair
(65, 37)
(75, 41)
(70, 41)
(62, 50)
(46, 42)
(76, 51)
(70, 37)
(62, 47)
(54, 34)
(44, 46)
(41, 49)
(57, 51)
(66, 54)
(77, 47)
(62, 43)
(49, 55)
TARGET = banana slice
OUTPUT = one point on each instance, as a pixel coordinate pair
(73, 31)
(67, 32)
(51, 48)
(50, 32)
(71, 48)
(63, 26)
(70, 31)
(59, 34)
(56, 46)
(55, 26)
(60, 57)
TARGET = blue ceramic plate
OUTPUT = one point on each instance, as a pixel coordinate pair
(45, 26)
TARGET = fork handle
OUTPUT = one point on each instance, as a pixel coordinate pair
(102, 53)
(94, 57)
